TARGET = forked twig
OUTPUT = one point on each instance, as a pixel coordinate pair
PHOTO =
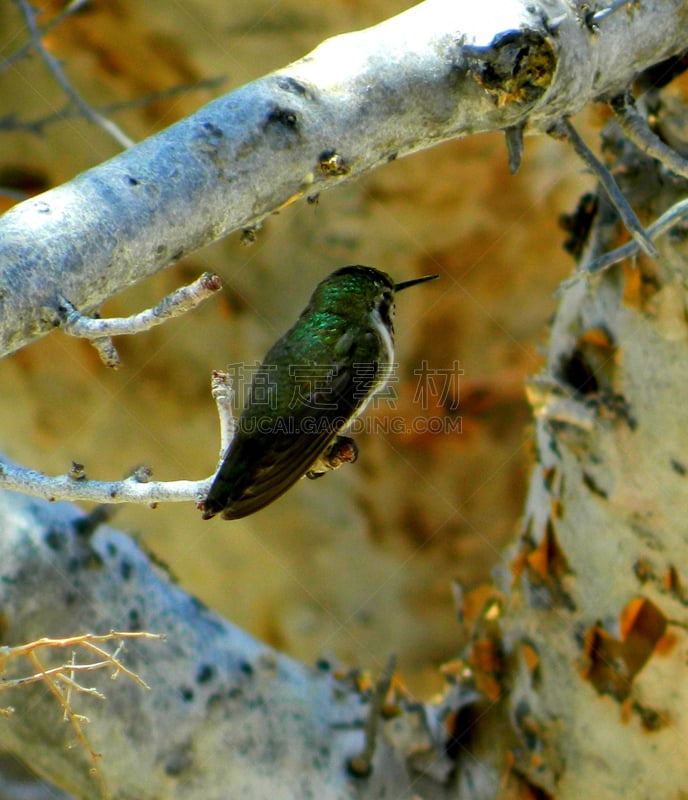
(98, 331)
(565, 130)
(76, 721)
(361, 765)
(61, 681)
(58, 73)
(635, 126)
(670, 218)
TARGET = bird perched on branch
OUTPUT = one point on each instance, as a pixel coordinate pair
(312, 383)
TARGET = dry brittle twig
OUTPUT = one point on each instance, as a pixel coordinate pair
(61, 682)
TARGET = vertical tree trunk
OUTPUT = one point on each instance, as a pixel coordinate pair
(595, 627)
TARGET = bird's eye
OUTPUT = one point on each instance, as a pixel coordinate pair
(385, 307)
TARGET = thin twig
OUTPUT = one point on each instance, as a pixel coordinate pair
(61, 681)
(75, 720)
(129, 490)
(106, 350)
(113, 659)
(98, 331)
(71, 682)
(37, 126)
(13, 651)
(26, 48)
(635, 126)
(178, 302)
(361, 765)
(514, 146)
(615, 6)
(58, 73)
(223, 395)
(137, 488)
(677, 213)
(565, 130)
(58, 672)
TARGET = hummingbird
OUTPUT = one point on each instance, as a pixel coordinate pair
(311, 384)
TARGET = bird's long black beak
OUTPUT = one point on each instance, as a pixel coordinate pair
(405, 284)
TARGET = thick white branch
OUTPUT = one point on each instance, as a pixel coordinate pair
(226, 716)
(441, 70)
(603, 544)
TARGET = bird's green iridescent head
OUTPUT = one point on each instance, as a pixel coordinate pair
(360, 285)
(364, 286)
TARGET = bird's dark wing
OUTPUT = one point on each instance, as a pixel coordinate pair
(270, 454)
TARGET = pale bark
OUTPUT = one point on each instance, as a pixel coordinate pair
(438, 71)
(600, 600)
(227, 716)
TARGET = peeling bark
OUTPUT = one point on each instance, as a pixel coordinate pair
(602, 606)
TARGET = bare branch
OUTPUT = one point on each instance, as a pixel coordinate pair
(81, 639)
(438, 71)
(105, 348)
(129, 490)
(361, 765)
(628, 216)
(55, 678)
(76, 721)
(137, 488)
(178, 302)
(59, 673)
(223, 395)
(514, 146)
(635, 126)
(99, 330)
(669, 219)
(54, 66)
